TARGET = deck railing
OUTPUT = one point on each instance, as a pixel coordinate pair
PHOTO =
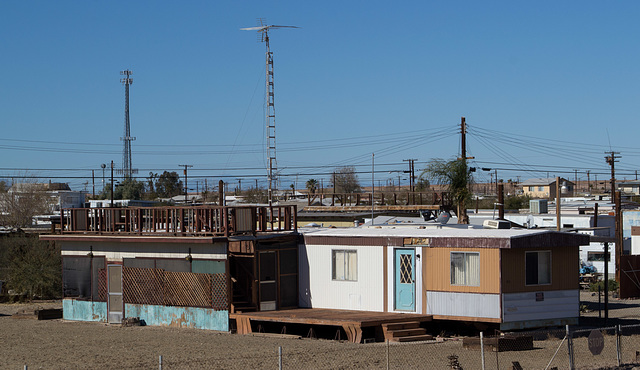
(180, 221)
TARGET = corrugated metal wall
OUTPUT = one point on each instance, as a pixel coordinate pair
(541, 306)
(457, 305)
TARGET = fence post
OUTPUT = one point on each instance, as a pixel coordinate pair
(619, 344)
(160, 363)
(280, 358)
(570, 348)
(388, 354)
(482, 348)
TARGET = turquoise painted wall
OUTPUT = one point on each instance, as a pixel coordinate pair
(73, 309)
(185, 317)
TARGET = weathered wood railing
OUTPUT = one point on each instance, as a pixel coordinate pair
(381, 198)
(180, 221)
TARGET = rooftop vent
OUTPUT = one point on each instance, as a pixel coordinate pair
(496, 224)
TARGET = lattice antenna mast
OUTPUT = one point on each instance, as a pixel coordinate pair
(127, 138)
(270, 111)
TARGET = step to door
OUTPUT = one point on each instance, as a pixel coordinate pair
(405, 332)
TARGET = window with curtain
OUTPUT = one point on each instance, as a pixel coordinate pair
(465, 268)
(538, 268)
(344, 265)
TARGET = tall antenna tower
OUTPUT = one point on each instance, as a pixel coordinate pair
(270, 111)
(127, 138)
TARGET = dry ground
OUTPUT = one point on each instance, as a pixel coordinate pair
(57, 344)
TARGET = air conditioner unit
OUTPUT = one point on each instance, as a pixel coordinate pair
(496, 224)
(537, 206)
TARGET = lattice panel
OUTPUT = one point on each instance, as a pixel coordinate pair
(160, 287)
(142, 286)
(102, 285)
(406, 269)
(219, 292)
(187, 289)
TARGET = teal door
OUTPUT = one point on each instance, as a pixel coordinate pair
(405, 280)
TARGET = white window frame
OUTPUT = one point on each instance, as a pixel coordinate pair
(350, 262)
(539, 267)
(468, 280)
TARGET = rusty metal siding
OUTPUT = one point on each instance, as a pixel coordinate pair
(550, 239)
(437, 273)
(455, 242)
(244, 219)
(564, 269)
(353, 241)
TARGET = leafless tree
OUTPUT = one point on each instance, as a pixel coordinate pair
(24, 200)
(345, 180)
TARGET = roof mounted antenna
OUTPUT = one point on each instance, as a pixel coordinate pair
(270, 114)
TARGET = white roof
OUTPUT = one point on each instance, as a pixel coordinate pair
(425, 232)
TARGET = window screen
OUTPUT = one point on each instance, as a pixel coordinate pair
(344, 265)
(465, 268)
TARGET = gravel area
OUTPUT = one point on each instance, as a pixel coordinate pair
(58, 344)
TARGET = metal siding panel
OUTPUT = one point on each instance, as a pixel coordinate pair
(556, 304)
(115, 251)
(364, 294)
(463, 304)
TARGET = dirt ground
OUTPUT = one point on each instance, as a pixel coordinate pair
(58, 344)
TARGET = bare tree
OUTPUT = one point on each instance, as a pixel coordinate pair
(345, 180)
(22, 202)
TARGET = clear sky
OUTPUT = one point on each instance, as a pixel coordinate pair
(546, 87)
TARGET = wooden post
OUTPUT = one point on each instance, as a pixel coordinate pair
(558, 222)
(221, 193)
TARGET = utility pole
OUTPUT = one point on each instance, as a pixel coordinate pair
(588, 182)
(411, 173)
(462, 211)
(611, 160)
(93, 182)
(186, 189)
(619, 233)
(575, 185)
(111, 184)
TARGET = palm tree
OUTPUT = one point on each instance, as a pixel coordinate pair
(456, 176)
(312, 185)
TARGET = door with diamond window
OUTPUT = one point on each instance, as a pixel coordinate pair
(405, 280)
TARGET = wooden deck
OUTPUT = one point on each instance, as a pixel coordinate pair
(351, 321)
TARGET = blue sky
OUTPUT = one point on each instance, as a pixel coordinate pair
(546, 87)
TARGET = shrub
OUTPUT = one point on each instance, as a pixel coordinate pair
(613, 286)
(34, 267)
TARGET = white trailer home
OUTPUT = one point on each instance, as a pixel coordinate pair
(513, 278)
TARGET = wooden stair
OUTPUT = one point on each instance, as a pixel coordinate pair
(240, 303)
(409, 331)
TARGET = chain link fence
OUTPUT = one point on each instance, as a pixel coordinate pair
(600, 348)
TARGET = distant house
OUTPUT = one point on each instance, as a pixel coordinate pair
(512, 278)
(546, 188)
(631, 187)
